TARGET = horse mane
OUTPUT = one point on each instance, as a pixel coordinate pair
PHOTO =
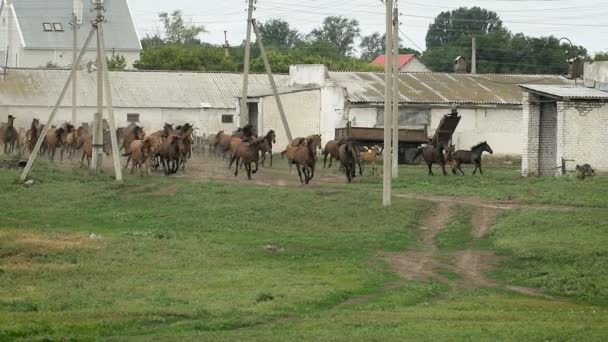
(59, 132)
(268, 137)
(478, 146)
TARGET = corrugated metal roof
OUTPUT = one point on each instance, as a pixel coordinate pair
(366, 87)
(568, 92)
(119, 31)
(34, 87)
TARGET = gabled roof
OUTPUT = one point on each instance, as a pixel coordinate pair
(137, 89)
(403, 60)
(119, 31)
(442, 88)
(568, 92)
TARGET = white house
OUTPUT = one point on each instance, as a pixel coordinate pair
(38, 33)
(566, 125)
(206, 100)
(406, 63)
(318, 102)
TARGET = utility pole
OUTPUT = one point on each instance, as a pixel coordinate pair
(272, 82)
(244, 109)
(76, 22)
(388, 120)
(473, 55)
(396, 96)
(226, 45)
(97, 27)
(9, 32)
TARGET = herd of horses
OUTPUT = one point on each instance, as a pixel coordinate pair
(171, 148)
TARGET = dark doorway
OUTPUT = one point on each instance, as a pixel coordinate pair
(253, 116)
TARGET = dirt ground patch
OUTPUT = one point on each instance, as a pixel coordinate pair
(483, 219)
(48, 241)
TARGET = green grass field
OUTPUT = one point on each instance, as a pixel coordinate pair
(197, 260)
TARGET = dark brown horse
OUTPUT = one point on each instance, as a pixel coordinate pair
(165, 132)
(266, 146)
(32, 134)
(332, 149)
(11, 136)
(130, 134)
(349, 158)
(171, 152)
(433, 154)
(470, 157)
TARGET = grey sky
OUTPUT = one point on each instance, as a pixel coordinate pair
(585, 22)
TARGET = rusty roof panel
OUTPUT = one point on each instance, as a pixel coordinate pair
(569, 92)
(442, 87)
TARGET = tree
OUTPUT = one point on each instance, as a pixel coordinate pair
(117, 62)
(372, 46)
(177, 31)
(338, 31)
(151, 41)
(276, 32)
(601, 56)
(449, 27)
(180, 57)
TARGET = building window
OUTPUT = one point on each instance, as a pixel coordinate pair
(47, 27)
(57, 27)
(227, 118)
(132, 117)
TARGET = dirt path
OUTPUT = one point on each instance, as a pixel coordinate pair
(482, 220)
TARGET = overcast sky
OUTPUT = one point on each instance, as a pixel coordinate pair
(585, 22)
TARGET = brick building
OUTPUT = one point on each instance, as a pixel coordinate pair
(565, 125)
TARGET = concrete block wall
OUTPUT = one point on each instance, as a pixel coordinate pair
(583, 133)
(548, 159)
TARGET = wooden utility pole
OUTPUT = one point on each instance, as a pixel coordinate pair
(388, 120)
(396, 97)
(272, 82)
(98, 125)
(473, 55)
(244, 109)
(76, 22)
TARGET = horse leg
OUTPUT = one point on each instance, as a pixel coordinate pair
(236, 171)
(128, 160)
(133, 167)
(82, 160)
(445, 173)
(312, 170)
(270, 158)
(324, 160)
(299, 173)
(475, 170)
(248, 168)
(430, 165)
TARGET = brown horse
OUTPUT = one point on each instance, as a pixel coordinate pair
(130, 134)
(247, 153)
(433, 154)
(370, 157)
(332, 149)
(32, 134)
(171, 154)
(348, 156)
(266, 146)
(165, 132)
(304, 156)
(470, 157)
(86, 143)
(11, 136)
(139, 153)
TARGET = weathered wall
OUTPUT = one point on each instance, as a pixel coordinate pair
(548, 164)
(301, 109)
(499, 126)
(582, 133)
(530, 135)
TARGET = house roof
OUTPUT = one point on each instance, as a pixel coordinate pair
(568, 92)
(38, 87)
(442, 88)
(402, 59)
(119, 31)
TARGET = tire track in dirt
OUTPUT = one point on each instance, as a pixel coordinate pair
(421, 264)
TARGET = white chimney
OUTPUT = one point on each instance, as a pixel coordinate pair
(307, 74)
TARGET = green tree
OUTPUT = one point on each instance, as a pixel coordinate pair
(276, 32)
(448, 27)
(177, 31)
(117, 62)
(180, 57)
(372, 46)
(338, 31)
(151, 41)
(601, 56)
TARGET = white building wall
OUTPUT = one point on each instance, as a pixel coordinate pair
(415, 65)
(333, 111)
(363, 117)
(582, 128)
(34, 58)
(302, 111)
(500, 127)
(10, 37)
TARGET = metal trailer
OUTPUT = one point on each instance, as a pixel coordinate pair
(409, 139)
